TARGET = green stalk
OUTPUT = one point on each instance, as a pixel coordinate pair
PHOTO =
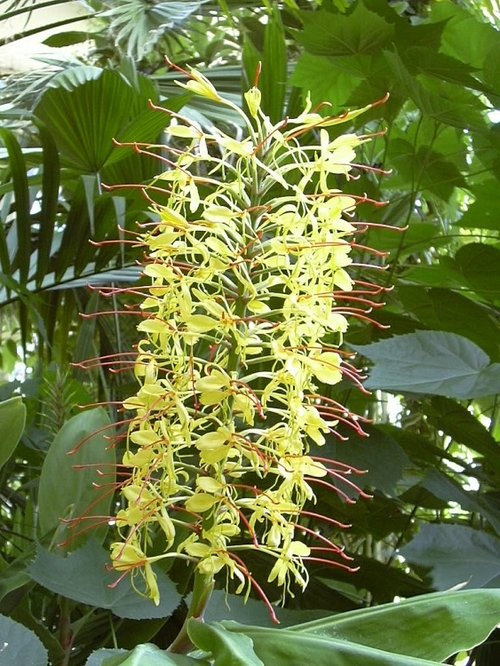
(202, 591)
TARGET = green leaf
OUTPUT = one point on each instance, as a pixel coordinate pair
(65, 492)
(228, 649)
(465, 37)
(362, 31)
(443, 487)
(462, 426)
(291, 648)
(446, 310)
(483, 213)
(50, 201)
(85, 108)
(431, 170)
(106, 657)
(326, 78)
(83, 576)
(151, 655)
(457, 555)
(433, 362)
(445, 103)
(19, 645)
(274, 68)
(431, 626)
(17, 168)
(67, 38)
(12, 422)
(479, 263)
(380, 455)
(416, 239)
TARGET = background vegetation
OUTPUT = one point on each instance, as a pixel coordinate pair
(433, 458)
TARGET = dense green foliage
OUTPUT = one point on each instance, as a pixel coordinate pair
(433, 458)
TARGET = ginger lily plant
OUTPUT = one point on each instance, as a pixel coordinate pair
(249, 297)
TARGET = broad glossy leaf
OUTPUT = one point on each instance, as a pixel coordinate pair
(456, 554)
(431, 626)
(12, 421)
(293, 648)
(19, 645)
(227, 648)
(84, 576)
(433, 362)
(65, 492)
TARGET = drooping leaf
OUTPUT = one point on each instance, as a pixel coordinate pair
(12, 421)
(68, 473)
(456, 554)
(433, 362)
(19, 645)
(84, 577)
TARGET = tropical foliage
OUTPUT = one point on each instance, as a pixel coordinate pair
(75, 167)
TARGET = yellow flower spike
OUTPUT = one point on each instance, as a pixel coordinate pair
(247, 300)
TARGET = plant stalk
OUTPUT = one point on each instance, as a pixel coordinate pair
(202, 591)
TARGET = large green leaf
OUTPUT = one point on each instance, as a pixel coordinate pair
(431, 626)
(380, 455)
(483, 213)
(479, 263)
(65, 492)
(362, 31)
(288, 648)
(19, 645)
(12, 420)
(445, 310)
(83, 576)
(433, 362)
(86, 108)
(227, 648)
(143, 655)
(457, 422)
(456, 554)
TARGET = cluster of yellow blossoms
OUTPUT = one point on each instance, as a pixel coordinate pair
(240, 327)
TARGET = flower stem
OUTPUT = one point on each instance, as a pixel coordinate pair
(202, 591)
